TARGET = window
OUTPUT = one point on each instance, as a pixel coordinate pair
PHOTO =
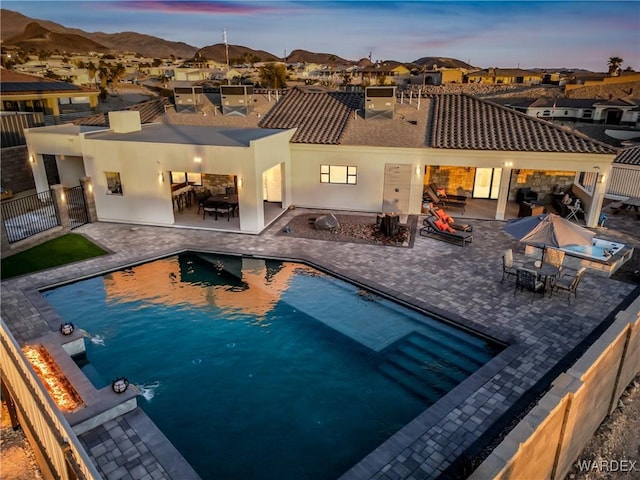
(114, 186)
(338, 174)
(588, 180)
(192, 178)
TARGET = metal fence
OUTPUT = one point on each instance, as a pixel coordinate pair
(28, 216)
(78, 215)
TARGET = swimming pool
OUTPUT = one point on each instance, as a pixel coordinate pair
(265, 369)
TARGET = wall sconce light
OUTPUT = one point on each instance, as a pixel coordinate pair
(63, 197)
(91, 188)
(120, 385)
(602, 178)
(507, 164)
(197, 160)
(67, 328)
(160, 177)
(418, 170)
(31, 159)
(240, 181)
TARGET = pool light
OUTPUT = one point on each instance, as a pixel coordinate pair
(67, 328)
(119, 385)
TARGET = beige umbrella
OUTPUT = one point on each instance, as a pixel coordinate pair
(554, 231)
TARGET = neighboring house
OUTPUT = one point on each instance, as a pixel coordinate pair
(442, 76)
(505, 76)
(619, 111)
(315, 148)
(16, 171)
(383, 73)
(27, 93)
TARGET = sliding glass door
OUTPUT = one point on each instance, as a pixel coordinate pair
(487, 183)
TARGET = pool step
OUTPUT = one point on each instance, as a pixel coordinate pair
(416, 386)
(450, 348)
(427, 368)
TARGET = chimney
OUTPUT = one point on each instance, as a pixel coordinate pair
(125, 122)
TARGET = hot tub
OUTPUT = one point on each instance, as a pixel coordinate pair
(603, 257)
(601, 250)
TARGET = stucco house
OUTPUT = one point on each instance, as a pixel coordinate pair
(616, 111)
(505, 76)
(30, 93)
(321, 148)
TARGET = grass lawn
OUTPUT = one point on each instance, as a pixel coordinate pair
(59, 251)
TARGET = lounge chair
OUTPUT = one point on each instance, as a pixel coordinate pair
(442, 215)
(445, 199)
(432, 230)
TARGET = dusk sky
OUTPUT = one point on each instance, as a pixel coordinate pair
(529, 34)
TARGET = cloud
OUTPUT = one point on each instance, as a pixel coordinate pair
(195, 7)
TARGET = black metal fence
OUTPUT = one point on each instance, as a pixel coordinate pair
(77, 208)
(28, 216)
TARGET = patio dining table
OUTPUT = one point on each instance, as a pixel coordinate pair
(545, 271)
(224, 201)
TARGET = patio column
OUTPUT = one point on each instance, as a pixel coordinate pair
(89, 200)
(503, 193)
(593, 215)
(62, 208)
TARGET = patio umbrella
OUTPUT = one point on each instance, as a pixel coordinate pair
(548, 230)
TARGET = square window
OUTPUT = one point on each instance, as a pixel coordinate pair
(114, 185)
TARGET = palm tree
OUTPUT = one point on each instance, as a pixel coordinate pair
(92, 70)
(614, 65)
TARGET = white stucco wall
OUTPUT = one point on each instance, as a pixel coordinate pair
(62, 140)
(367, 194)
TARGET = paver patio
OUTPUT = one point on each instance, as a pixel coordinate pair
(462, 284)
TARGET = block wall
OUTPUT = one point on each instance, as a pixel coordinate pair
(16, 171)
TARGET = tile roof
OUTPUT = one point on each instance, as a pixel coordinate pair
(628, 156)
(150, 111)
(465, 122)
(16, 83)
(319, 114)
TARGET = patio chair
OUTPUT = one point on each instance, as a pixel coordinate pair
(215, 208)
(569, 283)
(555, 257)
(508, 267)
(575, 210)
(529, 279)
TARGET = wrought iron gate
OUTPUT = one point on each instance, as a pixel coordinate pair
(78, 215)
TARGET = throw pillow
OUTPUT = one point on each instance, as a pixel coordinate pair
(441, 225)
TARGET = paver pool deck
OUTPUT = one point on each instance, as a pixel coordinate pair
(463, 284)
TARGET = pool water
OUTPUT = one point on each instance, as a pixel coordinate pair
(599, 250)
(265, 369)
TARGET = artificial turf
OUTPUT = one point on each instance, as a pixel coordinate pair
(62, 250)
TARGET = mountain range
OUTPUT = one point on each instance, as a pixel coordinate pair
(30, 34)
